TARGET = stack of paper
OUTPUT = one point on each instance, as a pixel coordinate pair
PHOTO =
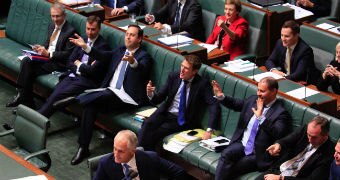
(175, 40)
(34, 56)
(209, 47)
(298, 11)
(142, 115)
(238, 65)
(258, 77)
(302, 92)
(215, 144)
(182, 139)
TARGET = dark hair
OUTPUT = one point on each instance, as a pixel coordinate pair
(237, 4)
(194, 60)
(271, 82)
(293, 25)
(94, 19)
(322, 122)
(140, 30)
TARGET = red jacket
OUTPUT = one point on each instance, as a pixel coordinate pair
(234, 47)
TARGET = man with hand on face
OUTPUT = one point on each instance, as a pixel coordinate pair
(56, 47)
(305, 153)
(84, 72)
(127, 162)
(292, 57)
(263, 120)
(184, 94)
(126, 77)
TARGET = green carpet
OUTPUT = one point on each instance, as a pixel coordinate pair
(61, 141)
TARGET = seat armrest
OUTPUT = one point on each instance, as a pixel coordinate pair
(5, 133)
(44, 151)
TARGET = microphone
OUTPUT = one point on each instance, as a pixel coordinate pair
(305, 98)
(254, 69)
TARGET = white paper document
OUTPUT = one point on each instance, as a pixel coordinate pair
(175, 39)
(209, 47)
(94, 90)
(174, 146)
(302, 92)
(21, 57)
(239, 65)
(124, 97)
(258, 77)
(127, 26)
(38, 177)
(325, 26)
(335, 30)
(298, 11)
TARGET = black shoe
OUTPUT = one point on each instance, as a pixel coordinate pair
(80, 155)
(18, 99)
(7, 126)
(64, 102)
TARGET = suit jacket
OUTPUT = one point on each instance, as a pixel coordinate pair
(234, 47)
(200, 94)
(134, 6)
(276, 125)
(191, 18)
(302, 61)
(135, 79)
(64, 47)
(90, 74)
(149, 166)
(321, 8)
(330, 81)
(317, 166)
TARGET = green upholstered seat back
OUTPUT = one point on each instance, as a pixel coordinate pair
(28, 21)
(77, 21)
(208, 19)
(216, 6)
(114, 37)
(30, 129)
(257, 30)
(151, 6)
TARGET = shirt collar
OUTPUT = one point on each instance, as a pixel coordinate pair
(270, 104)
(182, 1)
(61, 26)
(92, 40)
(292, 47)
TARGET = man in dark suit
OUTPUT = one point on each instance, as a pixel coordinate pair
(292, 57)
(263, 120)
(122, 88)
(127, 162)
(184, 94)
(179, 15)
(84, 72)
(306, 153)
(121, 6)
(57, 47)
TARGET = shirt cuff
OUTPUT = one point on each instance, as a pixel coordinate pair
(88, 49)
(166, 29)
(126, 9)
(219, 98)
(210, 130)
(150, 97)
(78, 66)
(134, 64)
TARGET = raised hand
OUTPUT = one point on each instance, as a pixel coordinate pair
(150, 88)
(78, 41)
(217, 89)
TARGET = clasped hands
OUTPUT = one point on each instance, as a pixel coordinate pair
(330, 71)
(150, 19)
(305, 3)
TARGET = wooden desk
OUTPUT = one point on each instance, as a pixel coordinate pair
(314, 25)
(322, 102)
(110, 17)
(2, 34)
(13, 166)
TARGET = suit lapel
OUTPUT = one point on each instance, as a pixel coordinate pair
(193, 90)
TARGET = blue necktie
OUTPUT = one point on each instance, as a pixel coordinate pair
(177, 20)
(126, 172)
(112, 3)
(182, 104)
(121, 75)
(249, 148)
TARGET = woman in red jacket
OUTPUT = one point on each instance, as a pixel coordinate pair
(230, 31)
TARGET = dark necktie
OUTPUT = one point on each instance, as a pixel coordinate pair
(177, 18)
(126, 172)
(121, 75)
(249, 148)
(182, 104)
(220, 38)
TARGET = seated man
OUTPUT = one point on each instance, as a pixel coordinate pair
(177, 16)
(263, 120)
(121, 6)
(184, 94)
(320, 8)
(331, 75)
(230, 30)
(306, 153)
(84, 72)
(126, 162)
(335, 166)
(126, 77)
(57, 47)
(292, 57)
